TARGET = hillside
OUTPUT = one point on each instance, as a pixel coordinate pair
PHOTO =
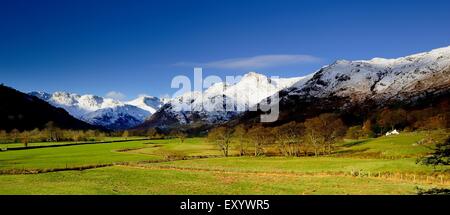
(357, 89)
(353, 89)
(25, 112)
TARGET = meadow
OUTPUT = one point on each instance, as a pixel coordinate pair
(384, 165)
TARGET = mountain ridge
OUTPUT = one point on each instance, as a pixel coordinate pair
(377, 81)
(355, 88)
(105, 112)
(218, 103)
(343, 84)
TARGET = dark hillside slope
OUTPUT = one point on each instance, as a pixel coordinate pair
(24, 112)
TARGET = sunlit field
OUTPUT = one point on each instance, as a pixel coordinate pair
(384, 165)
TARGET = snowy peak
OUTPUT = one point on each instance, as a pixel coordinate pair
(380, 78)
(119, 117)
(253, 75)
(41, 95)
(77, 105)
(221, 101)
(148, 103)
(279, 83)
(420, 58)
(101, 111)
(248, 91)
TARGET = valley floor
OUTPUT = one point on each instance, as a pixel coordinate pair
(384, 165)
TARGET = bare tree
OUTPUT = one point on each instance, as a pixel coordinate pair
(367, 128)
(3, 136)
(391, 118)
(322, 132)
(125, 134)
(354, 132)
(222, 136)
(25, 138)
(239, 135)
(53, 132)
(260, 137)
(289, 138)
(152, 133)
(180, 134)
(14, 134)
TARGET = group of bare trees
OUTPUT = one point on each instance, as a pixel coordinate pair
(289, 137)
(50, 133)
(432, 117)
(322, 132)
(361, 132)
(179, 133)
(315, 136)
(388, 119)
(318, 135)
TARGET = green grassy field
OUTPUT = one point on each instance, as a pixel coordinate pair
(129, 180)
(6, 146)
(400, 146)
(384, 165)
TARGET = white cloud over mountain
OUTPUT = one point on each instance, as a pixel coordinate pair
(115, 95)
(255, 62)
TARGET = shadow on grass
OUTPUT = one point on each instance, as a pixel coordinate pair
(350, 151)
(433, 191)
(70, 144)
(355, 143)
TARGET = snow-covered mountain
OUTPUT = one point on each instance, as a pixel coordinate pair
(343, 84)
(220, 102)
(356, 89)
(148, 103)
(380, 79)
(118, 117)
(24, 112)
(106, 112)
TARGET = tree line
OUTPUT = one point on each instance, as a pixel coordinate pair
(319, 135)
(315, 136)
(51, 133)
(388, 119)
(156, 133)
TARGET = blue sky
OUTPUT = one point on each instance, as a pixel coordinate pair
(136, 47)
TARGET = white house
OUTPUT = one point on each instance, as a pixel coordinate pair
(394, 132)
